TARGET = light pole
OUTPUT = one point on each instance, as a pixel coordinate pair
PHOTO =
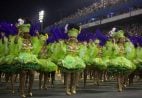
(41, 17)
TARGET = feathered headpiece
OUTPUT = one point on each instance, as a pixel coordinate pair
(72, 30)
(23, 28)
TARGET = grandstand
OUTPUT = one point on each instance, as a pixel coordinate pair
(102, 12)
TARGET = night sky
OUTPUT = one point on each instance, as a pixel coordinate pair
(11, 10)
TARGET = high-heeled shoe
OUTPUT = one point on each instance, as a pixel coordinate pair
(68, 92)
(30, 94)
(23, 96)
(73, 90)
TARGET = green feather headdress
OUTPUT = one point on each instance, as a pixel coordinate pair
(24, 28)
(119, 34)
(73, 30)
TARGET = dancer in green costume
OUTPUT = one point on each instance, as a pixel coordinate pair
(138, 62)
(84, 55)
(72, 63)
(130, 53)
(99, 64)
(138, 58)
(3, 52)
(98, 61)
(46, 65)
(58, 52)
(120, 66)
(13, 68)
(29, 62)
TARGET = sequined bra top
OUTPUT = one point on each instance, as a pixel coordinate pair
(72, 48)
(26, 46)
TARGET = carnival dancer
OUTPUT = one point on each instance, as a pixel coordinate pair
(83, 54)
(11, 45)
(99, 64)
(120, 66)
(37, 41)
(130, 54)
(46, 65)
(3, 53)
(71, 64)
(29, 62)
(14, 47)
(138, 62)
(59, 51)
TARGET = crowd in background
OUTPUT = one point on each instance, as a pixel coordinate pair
(98, 4)
(134, 29)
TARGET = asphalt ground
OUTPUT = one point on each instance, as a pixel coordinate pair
(105, 90)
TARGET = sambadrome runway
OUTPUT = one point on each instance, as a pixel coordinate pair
(105, 90)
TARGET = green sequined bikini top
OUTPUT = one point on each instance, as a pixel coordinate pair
(72, 47)
(43, 53)
(26, 46)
